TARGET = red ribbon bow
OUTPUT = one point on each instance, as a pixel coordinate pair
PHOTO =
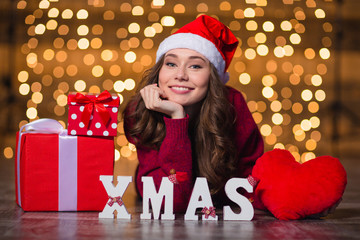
(178, 177)
(117, 200)
(97, 103)
(209, 212)
(253, 181)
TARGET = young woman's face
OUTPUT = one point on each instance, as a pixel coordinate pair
(184, 76)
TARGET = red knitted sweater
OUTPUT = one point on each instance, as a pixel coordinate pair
(175, 151)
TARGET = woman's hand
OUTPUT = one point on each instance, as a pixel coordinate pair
(155, 99)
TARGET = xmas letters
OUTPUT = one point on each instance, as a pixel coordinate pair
(200, 198)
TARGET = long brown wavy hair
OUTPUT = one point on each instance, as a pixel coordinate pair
(211, 133)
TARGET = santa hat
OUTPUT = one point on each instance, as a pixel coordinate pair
(207, 36)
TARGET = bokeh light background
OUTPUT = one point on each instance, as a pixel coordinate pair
(282, 64)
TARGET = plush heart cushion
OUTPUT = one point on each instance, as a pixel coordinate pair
(290, 190)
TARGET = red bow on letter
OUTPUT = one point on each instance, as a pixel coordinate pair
(253, 181)
(113, 200)
(178, 177)
(208, 212)
(98, 103)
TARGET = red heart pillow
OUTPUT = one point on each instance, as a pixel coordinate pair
(290, 190)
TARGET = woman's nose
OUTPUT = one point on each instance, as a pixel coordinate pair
(181, 74)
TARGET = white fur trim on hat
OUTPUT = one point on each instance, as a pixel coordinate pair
(197, 43)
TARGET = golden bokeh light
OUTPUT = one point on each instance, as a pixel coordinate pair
(250, 53)
(279, 52)
(97, 71)
(244, 78)
(129, 84)
(261, 106)
(225, 6)
(80, 85)
(71, 70)
(137, 11)
(319, 13)
(24, 89)
(168, 21)
(125, 7)
(251, 25)
(61, 100)
(72, 44)
(117, 155)
(44, 4)
(267, 92)
(201, 7)
(277, 118)
(134, 28)
(149, 32)
(94, 89)
(249, 13)
(315, 122)
(260, 37)
(309, 53)
(53, 13)
(324, 53)
(320, 95)
(82, 14)
(305, 125)
(119, 86)
(295, 38)
(115, 70)
(31, 113)
(297, 108)
(83, 43)
(37, 97)
(23, 76)
(313, 107)
(158, 3)
(265, 130)
(67, 14)
(29, 19)
(109, 15)
(306, 95)
(82, 30)
(268, 26)
(108, 84)
(180, 8)
(51, 24)
(8, 153)
(21, 4)
(262, 50)
(275, 106)
(96, 43)
(130, 57)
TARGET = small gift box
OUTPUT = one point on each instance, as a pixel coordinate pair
(93, 115)
(58, 172)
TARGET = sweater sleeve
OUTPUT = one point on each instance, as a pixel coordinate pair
(174, 153)
(249, 141)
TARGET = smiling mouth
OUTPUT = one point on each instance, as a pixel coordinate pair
(177, 88)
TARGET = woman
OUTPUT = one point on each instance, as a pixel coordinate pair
(185, 122)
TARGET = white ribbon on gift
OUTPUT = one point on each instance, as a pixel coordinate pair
(67, 161)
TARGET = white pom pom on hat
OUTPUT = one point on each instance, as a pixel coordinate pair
(207, 36)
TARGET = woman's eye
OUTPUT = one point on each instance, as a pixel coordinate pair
(170, 64)
(196, 66)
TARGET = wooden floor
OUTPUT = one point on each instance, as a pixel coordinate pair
(17, 224)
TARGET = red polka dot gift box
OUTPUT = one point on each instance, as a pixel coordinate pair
(93, 114)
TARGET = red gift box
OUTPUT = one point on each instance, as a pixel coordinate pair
(93, 115)
(58, 172)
